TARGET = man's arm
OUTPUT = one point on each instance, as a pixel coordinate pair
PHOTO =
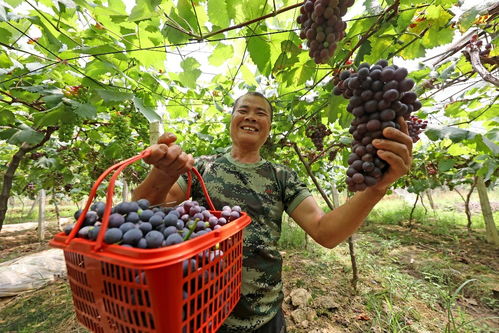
(334, 227)
(169, 163)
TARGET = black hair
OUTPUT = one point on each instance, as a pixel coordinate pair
(254, 93)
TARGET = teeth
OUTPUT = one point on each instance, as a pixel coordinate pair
(249, 129)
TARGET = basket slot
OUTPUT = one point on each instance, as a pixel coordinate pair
(89, 323)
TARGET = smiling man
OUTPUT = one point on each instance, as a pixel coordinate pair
(265, 191)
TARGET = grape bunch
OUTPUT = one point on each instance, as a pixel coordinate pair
(316, 133)
(322, 26)
(378, 95)
(137, 224)
(416, 127)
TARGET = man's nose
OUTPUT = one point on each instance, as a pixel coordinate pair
(249, 117)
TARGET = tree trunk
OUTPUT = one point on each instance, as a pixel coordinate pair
(57, 213)
(41, 215)
(412, 211)
(467, 204)
(155, 131)
(336, 196)
(8, 177)
(32, 206)
(331, 206)
(355, 273)
(125, 190)
(490, 227)
(430, 199)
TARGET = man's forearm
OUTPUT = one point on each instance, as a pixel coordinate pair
(155, 187)
(337, 225)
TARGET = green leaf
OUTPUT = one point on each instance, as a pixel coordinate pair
(26, 134)
(143, 10)
(481, 140)
(52, 117)
(364, 49)
(14, 3)
(259, 51)
(186, 17)
(7, 118)
(191, 72)
(217, 12)
(7, 134)
(97, 49)
(5, 61)
(334, 109)
(435, 37)
(148, 112)
(221, 54)
(306, 72)
(85, 111)
(404, 19)
(109, 95)
(445, 165)
(283, 62)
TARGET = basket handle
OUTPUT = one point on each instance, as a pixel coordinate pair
(119, 167)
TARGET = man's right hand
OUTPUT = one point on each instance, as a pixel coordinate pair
(169, 157)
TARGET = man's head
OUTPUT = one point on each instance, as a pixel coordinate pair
(255, 93)
(251, 120)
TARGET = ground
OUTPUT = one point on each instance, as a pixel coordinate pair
(407, 279)
(427, 275)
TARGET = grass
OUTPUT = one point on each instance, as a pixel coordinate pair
(433, 278)
(46, 310)
(19, 214)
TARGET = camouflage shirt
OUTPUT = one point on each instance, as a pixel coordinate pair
(263, 190)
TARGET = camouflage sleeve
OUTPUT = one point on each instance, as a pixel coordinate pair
(295, 191)
(199, 164)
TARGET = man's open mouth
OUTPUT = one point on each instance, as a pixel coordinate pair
(248, 128)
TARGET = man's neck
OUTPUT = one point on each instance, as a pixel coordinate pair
(245, 155)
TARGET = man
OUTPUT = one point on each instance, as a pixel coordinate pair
(265, 190)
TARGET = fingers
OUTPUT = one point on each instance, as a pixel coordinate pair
(403, 125)
(167, 138)
(398, 165)
(158, 151)
(399, 136)
(394, 147)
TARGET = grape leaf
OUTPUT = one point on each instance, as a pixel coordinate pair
(259, 51)
(217, 12)
(148, 112)
(26, 134)
(113, 95)
(446, 164)
(85, 111)
(191, 72)
(220, 54)
(7, 118)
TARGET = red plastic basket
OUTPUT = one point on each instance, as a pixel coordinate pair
(188, 287)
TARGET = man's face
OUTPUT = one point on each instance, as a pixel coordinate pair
(250, 123)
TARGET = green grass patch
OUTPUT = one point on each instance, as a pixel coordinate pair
(49, 309)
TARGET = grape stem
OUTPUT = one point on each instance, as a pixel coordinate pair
(191, 230)
(474, 53)
(312, 176)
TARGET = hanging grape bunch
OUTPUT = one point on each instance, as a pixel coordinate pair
(415, 127)
(322, 26)
(378, 95)
(316, 133)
